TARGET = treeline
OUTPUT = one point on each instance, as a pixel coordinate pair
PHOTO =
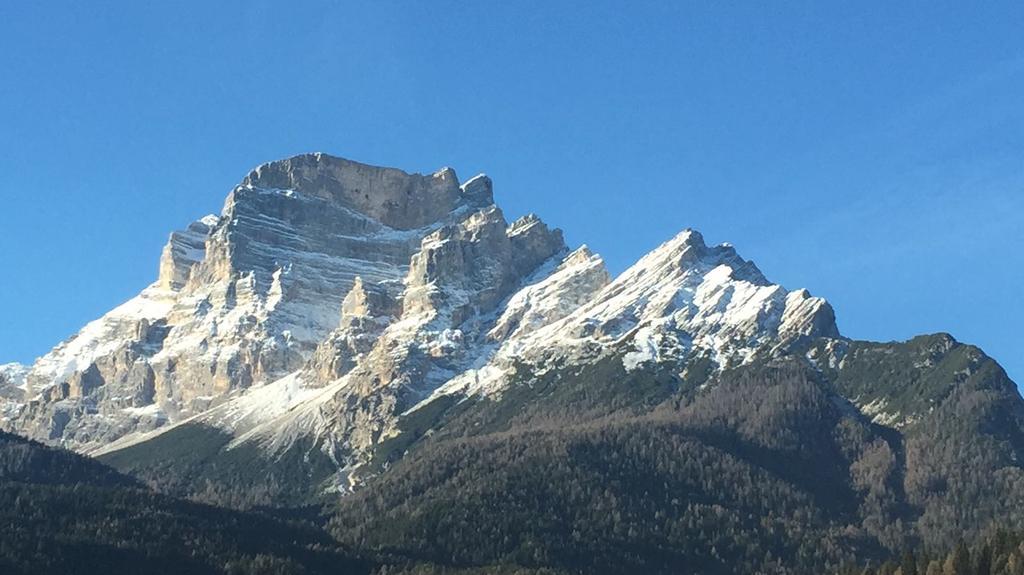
(999, 554)
(27, 461)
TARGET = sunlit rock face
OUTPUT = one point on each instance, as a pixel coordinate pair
(332, 300)
(242, 298)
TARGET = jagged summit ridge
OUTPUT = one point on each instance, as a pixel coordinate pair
(681, 300)
(686, 296)
(397, 199)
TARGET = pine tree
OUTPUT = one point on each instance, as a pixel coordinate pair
(908, 565)
(984, 561)
(959, 562)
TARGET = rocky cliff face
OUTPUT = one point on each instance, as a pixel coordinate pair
(331, 300)
(241, 299)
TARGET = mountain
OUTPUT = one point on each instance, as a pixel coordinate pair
(241, 299)
(459, 389)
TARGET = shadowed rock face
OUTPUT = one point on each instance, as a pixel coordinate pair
(392, 197)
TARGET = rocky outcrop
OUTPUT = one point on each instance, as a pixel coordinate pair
(365, 312)
(183, 251)
(12, 389)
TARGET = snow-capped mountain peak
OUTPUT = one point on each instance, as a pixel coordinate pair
(330, 300)
(686, 297)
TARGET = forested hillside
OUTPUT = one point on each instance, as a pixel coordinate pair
(65, 514)
(768, 468)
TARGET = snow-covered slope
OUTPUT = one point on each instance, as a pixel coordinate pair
(683, 297)
(13, 374)
(12, 389)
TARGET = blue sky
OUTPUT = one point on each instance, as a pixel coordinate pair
(870, 152)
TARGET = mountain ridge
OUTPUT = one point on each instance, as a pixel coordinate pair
(342, 334)
(231, 289)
